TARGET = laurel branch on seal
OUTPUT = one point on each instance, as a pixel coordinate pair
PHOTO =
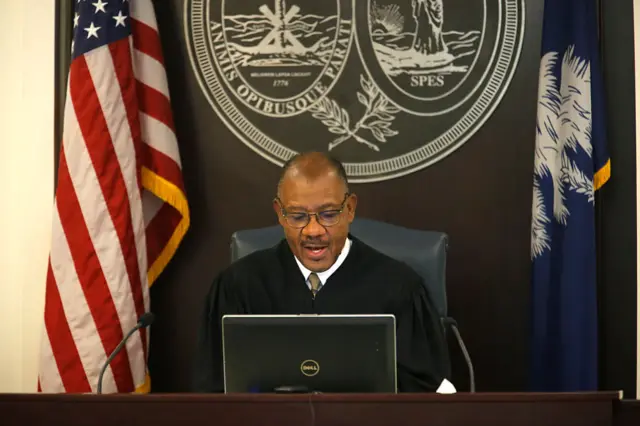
(377, 118)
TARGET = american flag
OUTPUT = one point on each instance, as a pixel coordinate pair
(120, 206)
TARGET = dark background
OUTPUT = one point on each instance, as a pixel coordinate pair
(618, 216)
(480, 196)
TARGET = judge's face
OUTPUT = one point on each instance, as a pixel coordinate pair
(316, 218)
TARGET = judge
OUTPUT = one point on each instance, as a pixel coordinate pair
(320, 268)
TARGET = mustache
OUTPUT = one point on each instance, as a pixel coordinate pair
(315, 242)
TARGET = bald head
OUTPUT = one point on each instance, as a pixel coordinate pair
(312, 166)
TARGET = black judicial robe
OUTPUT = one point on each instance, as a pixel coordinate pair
(367, 282)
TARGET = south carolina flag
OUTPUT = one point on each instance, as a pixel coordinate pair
(571, 163)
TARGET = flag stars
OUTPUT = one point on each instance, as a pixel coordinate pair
(100, 6)
(120, 19)
(92, 31)
(76, 19)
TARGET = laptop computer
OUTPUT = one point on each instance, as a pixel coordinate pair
(309, 353)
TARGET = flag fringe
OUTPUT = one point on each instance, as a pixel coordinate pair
(174, 196)
(602, 176)
(146, 386)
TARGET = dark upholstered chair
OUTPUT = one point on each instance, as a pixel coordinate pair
(424, 251)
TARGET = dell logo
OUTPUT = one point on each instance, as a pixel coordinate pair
(309, 367)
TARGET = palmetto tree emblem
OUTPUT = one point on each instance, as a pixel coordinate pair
(563, 126)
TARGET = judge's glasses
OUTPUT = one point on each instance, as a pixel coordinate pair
(325, 217)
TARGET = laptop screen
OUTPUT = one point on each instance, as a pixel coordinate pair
(309, 353)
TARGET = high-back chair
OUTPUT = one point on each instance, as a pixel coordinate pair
(424, 251)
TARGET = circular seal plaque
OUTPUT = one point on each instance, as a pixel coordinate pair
(388, 87)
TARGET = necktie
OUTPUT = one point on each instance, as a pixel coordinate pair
(314, 280)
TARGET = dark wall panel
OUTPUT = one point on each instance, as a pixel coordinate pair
(480, 195)
(618, 209)
(62, 46)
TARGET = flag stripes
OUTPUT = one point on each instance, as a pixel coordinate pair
(120, 209)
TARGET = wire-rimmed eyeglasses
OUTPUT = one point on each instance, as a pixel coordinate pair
(329, 217)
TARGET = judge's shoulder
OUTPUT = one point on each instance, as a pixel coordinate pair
(383, 265)
(256, 262)
(375, 259)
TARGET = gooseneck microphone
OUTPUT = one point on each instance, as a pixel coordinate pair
(145, 320)
(454, 327)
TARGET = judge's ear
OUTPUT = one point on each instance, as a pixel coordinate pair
(278, 209)
(350, 206)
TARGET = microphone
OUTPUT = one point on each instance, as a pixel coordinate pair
(145, 321)
(454, 327)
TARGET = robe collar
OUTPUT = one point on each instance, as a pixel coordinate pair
(324, 275)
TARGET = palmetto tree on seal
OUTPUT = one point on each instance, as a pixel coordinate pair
(563, 125)
(280, 9)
